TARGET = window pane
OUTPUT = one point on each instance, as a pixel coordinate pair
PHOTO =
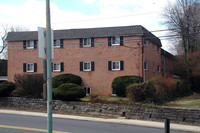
(56, 66)
(145, 66)
(117, 39)
(87, 42)
(87, 90)
(56, 42)
(116, 65)
(30, 44)
(86, 66)
(30, 67)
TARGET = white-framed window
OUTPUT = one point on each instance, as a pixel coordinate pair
(113, 92)
(115, 40)
(158, 68)
(29, 44)
(145, 65)
(153, 67)
(56, 67)
(87, 90)
(115, 65)
(86, 66)
(87, 42)
(30, 67)
(56, 44)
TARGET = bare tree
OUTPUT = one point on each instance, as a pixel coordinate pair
(183, 18)
(3, 34)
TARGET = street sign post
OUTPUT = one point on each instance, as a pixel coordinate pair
(42, 43)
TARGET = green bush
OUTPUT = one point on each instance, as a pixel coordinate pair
(66, 78)
(143, 92)
(28, 85)
(68, 91)
(119, 84)
(6, 88)
(94, 96)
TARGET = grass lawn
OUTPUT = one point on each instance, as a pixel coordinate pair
(192, 101)
(108, 99)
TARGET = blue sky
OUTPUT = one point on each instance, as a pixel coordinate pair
(67, 14)
(77, 5)
(68, 11)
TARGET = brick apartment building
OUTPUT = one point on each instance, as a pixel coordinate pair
(97, 55)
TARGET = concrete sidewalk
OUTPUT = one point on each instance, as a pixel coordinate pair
(195, 129)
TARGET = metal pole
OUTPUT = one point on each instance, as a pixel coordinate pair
(167, 126)
(44, 79)
(49, 74)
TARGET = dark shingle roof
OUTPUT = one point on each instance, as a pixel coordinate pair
(88, 32)
(167, 54)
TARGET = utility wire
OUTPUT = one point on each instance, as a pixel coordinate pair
(94, 19)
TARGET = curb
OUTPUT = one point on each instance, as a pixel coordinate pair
(188, 128)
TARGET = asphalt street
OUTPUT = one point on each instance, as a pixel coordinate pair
(14, 123)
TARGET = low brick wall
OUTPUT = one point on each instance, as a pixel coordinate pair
(190, 116)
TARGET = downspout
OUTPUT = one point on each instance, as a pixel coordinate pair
(143, 55)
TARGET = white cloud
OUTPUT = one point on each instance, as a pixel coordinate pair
(89, 1)
(112, 13)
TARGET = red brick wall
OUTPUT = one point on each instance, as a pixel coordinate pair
(152, 56)
(99, 80)
(168, 65)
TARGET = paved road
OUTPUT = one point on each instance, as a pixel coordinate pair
(12, 123)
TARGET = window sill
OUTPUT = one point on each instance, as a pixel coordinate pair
(86, 46)
(56, 71)
(56, 47)
(115, 44)
(29, 48)
(113, 95)
(86, 70)
(115, 70)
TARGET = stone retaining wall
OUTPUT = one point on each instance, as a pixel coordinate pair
(190, 116)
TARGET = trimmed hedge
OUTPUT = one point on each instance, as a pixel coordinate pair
(28, 85)
(6, 88)
(69, 91)
(119, 84)
(66, 78)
